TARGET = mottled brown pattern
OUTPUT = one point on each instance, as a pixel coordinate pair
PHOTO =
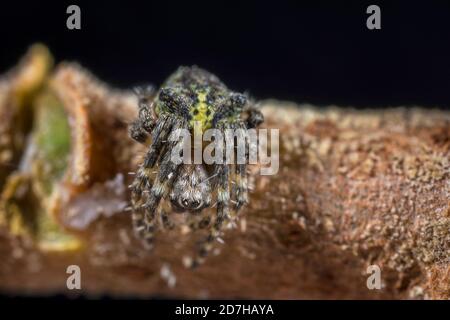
(354, 188)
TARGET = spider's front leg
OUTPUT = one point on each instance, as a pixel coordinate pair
(142, 218)
(222, 213)
(168, 171)
(143, 179)
(146, 121)
(254, 118)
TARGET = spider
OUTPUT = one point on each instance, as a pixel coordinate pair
(190, 95)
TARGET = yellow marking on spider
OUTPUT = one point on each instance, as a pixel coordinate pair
(201, 113)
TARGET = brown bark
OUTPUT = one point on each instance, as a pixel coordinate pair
(355, 188)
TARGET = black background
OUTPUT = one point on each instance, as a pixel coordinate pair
(307, 51)
(162, 309)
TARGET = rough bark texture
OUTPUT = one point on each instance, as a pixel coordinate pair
(355, 188)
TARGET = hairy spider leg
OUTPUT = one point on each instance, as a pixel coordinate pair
(196, 223)
(166, 221)
(222, 213)
(146, 120)
(143, 177)
(143, 174)
(168, 171)
(255, 117)
(241, 185)
(160, 133)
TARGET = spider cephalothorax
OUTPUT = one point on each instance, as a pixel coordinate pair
(190, 99)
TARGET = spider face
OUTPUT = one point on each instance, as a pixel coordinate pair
(189, 99)
(191, 190)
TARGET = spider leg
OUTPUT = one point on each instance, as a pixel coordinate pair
(142, 180)
(145, 102)
(159, 190)
(168, 171)
(254, 119)
(147, 118)
(144, 214)
(151, 225)
(222, 214)
(138, 216)
(137, 131)
(166, 221)
(240, 187)
(160, 134)
(195, 224)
